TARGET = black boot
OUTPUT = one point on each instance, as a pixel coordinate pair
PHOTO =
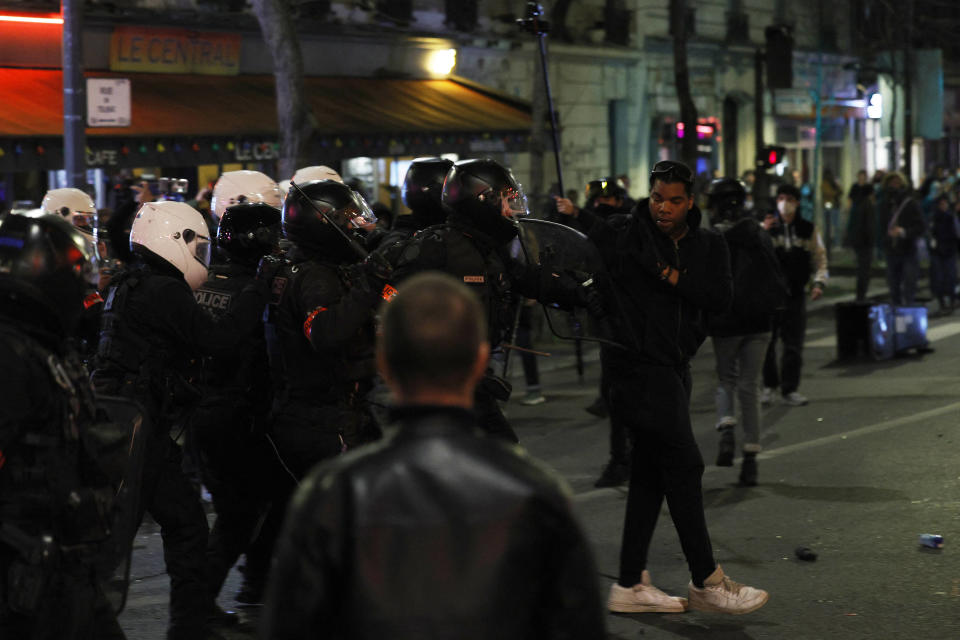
(614, 474)
(748, 470)
(727, 446)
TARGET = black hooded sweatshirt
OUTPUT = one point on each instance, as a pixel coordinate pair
(660, 324)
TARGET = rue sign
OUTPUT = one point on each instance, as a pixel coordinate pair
(108, 102)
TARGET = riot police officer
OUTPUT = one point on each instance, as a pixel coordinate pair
(321, 327)
(225, 434)
(483, 199)
(151, 341)
(55, 497)
(78, 208)
(422, 193)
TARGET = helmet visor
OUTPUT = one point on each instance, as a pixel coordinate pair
(513, 202)
(358, 213)
(84, 220)
(200, 245)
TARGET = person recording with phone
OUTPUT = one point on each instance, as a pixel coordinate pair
(802, 256)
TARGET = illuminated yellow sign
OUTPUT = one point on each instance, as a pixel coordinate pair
(174, 51)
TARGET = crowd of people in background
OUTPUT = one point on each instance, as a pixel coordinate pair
(914, 242)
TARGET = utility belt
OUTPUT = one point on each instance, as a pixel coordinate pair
(34, 560)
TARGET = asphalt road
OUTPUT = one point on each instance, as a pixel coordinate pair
(856, 475)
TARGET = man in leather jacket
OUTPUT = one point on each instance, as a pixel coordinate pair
(55, 498)
(435, 532)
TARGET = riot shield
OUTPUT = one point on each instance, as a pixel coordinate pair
(116, 442)
(562, 248)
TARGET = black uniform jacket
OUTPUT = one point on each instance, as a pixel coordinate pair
(660, 324)
(321, 327)
(434, 532)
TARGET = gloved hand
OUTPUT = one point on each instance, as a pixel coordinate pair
(593, 300)
(268, 268)
(377, 269)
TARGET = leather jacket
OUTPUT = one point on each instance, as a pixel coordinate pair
(434, 532)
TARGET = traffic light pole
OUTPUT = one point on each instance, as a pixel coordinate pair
(761, 190)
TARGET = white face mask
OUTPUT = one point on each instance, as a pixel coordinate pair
(786, 207)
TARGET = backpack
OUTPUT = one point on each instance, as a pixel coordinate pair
(759, 286)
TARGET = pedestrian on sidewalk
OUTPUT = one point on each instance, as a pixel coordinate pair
(945, 234)
(531, 370)
(900, 215)
(802, 256)
(666, 271)
(437, 531)
(861, 233)
(741, 333)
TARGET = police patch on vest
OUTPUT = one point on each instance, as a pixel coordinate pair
(212, 299)
(277, 287)
(474, 279)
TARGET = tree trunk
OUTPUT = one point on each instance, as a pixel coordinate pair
(681, 75)
(295, 122)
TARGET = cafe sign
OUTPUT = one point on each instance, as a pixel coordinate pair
(174, 51)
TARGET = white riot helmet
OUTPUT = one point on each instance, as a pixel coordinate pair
(79, 209)
(284, 187)
(176, 232)
(321, 172)
(238, 187)
(73, 204)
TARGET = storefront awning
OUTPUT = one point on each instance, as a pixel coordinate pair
(393, 116)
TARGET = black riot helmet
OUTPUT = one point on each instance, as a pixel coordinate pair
(726, 198)
(608, 187)
(248, 231)
(44, 264)
(423, 190)
(485, 196)
(308, 228)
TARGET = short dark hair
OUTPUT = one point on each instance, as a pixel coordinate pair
(671, 171)
(431, 331)
(789, 190)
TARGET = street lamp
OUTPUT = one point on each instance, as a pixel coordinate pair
(440, 62)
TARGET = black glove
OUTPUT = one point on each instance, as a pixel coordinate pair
(377, 269)
(268, 268)
(593, 300)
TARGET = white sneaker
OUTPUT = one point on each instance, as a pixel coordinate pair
(533, 398)
(795, 399)
(720, 594)
(643, 598)
(766, 396)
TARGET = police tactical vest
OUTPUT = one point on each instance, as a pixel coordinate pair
(471, 260)
(46, 475)
(299, 371)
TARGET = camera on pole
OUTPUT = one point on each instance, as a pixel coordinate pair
(779, 56)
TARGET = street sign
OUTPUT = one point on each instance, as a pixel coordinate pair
(108, 102)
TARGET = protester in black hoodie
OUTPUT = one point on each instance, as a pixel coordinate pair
(741, 334)
(665, 272)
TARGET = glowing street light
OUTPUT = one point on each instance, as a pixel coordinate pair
(441, 62)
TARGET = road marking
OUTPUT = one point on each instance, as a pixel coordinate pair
(803, 446)
(862, 431)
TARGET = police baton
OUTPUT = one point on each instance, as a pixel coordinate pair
(356, 246)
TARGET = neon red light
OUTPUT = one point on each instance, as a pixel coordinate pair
(51, 18)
